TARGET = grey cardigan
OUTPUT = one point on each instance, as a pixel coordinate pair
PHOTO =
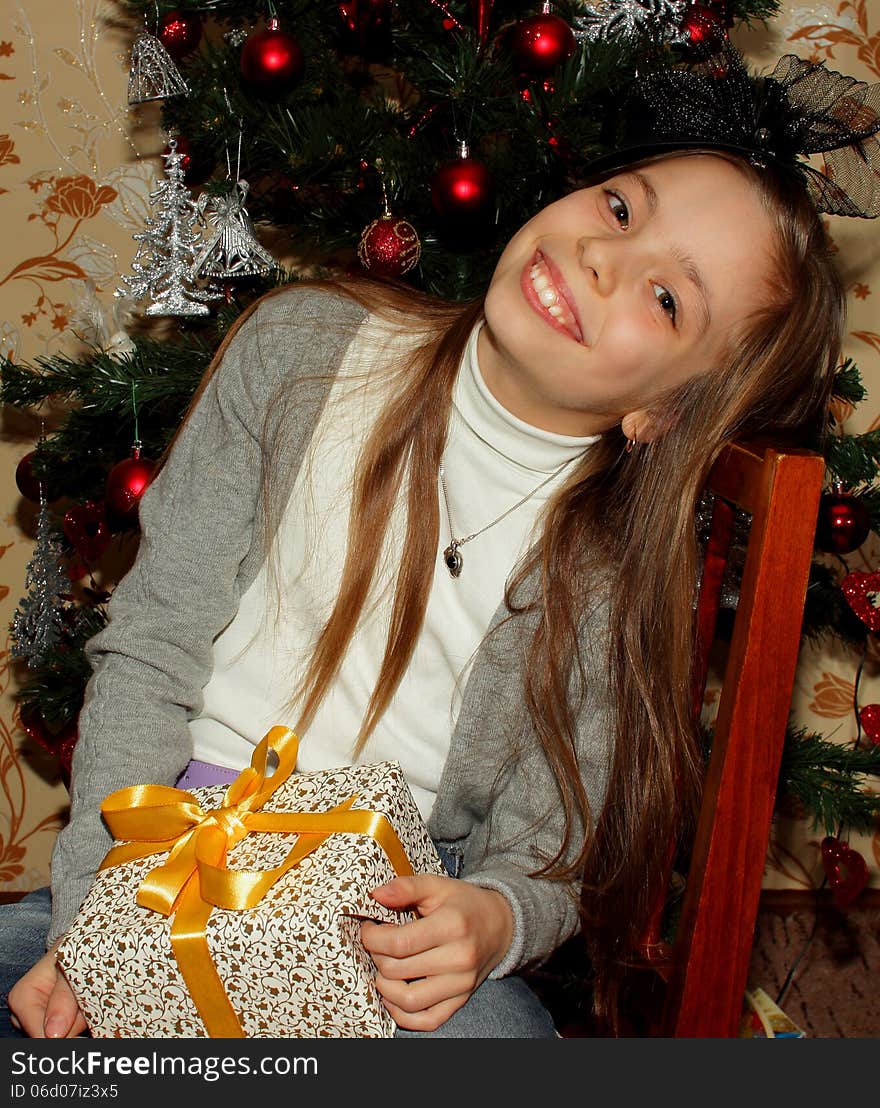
(202, 544)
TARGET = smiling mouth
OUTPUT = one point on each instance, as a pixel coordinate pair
(550, 301)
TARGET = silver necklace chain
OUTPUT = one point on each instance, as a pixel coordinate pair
(451, 555)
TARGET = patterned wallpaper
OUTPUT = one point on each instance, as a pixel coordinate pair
(76, 168)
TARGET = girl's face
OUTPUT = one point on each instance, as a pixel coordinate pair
(613, 294)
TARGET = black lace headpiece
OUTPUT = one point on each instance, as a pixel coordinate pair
(776, 121)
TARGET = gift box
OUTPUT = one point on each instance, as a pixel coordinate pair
(228, 912)
(762, 1018)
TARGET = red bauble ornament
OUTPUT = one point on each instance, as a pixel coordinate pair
(389, 246)
(28, 484)
(702, 30)
(844, 522)
(126, 484)
(859, 590)
(180, 33)
(869, 717)
(846, 869)
(87, 530)
(541, 43)
(461, 188)
(272, 60)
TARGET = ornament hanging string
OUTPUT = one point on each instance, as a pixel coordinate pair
(240, 122)
(137, 437)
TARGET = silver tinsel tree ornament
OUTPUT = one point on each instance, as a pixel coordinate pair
(36, 625)
(153, 74)
(162, 268)
(232, 248)
(629, 21)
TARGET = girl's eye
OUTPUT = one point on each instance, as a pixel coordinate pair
(618, 208)
(666, 301)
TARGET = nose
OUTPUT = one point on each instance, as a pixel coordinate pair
(600, 263)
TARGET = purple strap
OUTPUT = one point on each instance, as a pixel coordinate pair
(198, 774)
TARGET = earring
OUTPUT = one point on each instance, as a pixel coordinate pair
(630, 443)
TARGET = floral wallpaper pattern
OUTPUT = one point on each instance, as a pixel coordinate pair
(74, 187)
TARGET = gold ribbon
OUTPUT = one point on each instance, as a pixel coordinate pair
(193, 880)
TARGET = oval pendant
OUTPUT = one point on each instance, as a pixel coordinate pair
(453, 560)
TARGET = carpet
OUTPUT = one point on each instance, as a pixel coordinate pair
(821, 964)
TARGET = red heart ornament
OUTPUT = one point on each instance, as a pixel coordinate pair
(860, 590)
(869, 717)
(847, 871)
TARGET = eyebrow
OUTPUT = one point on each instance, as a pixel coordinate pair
(684, 260)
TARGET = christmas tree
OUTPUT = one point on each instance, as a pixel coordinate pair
(396, 138)
(163, 266)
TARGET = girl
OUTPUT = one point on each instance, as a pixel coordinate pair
(456, 536)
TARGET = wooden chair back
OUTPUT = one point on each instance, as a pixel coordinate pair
(707, 968)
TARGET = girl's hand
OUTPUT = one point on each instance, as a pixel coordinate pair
(429, 967)
(43, 1005)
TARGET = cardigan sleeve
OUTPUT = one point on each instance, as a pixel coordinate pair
(200, 547)
(512, 800)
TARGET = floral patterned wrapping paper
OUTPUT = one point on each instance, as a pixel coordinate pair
(292, 966)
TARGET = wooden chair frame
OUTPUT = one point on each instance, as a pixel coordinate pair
(707, 973)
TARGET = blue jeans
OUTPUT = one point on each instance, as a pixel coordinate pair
(503, 1009)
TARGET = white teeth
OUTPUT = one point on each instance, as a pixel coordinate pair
(547, 296)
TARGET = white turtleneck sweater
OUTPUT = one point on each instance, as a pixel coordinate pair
(492, 460)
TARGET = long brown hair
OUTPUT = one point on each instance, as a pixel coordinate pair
(622, 526)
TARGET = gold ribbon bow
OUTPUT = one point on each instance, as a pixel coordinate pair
(193, 880)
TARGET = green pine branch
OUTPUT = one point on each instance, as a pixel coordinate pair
(832, 781)
(848, 384)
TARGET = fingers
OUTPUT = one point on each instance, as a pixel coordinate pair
(459, 957)
(428, 1019)
(42, 1005)
(428, 967)
(420, 891)
(407, 939)
(426, 992)
(63, 1017)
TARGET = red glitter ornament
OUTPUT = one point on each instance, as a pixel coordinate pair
(859, 589)
(59, 744)
(541, 43)
(272, 60)
(180, 33)
(126, 483)
(702, 29)
(87, 530)
(389, 246)
(869, 717)
(846, 870)
(463, 187)
(844, 522)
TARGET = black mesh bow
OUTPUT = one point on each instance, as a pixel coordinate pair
(800, 109)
